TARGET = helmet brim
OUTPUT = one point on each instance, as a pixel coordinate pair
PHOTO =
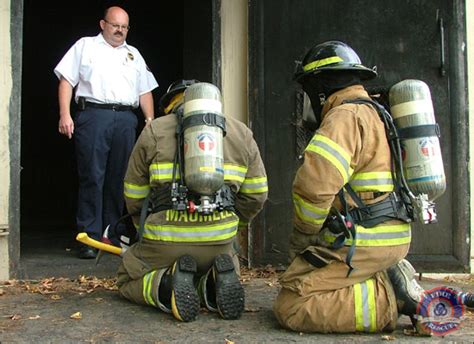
(363, 72)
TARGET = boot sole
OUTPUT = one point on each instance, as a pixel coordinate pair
(184, 297)
(408, 269)
(407, 290)
(230, 296)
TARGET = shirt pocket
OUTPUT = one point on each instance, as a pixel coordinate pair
(131, 71)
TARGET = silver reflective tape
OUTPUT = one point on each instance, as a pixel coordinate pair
(365, 306)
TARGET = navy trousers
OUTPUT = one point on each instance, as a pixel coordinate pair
(104, 140)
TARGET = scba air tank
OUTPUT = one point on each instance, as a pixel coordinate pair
(412, 111)
(203, 124)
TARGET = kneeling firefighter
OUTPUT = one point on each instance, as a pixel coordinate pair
(193, 176)
(352, 211)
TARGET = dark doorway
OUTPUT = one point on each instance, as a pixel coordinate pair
(406, 40)
(48, 177)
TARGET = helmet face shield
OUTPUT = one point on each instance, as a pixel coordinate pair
(309, 118)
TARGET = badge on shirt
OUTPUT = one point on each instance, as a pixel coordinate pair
(130, 56)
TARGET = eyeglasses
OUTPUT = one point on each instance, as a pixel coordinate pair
(117, 26)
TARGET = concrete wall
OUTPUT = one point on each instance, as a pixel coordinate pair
(470, 73)
(234, 35)
(5, 94)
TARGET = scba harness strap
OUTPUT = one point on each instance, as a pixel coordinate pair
(207, 118)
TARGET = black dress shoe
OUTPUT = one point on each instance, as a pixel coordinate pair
(87, 252)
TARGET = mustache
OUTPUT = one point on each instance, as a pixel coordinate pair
(118, 33)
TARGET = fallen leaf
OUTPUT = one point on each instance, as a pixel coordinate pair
(76, 316)
(15, 317)
(252, 310)
(34, 317)
(388, 337)
(2, 292)
(56, 297)
(228, 341)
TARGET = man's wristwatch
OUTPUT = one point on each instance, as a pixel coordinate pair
(148, 119)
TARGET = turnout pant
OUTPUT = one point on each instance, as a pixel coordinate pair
(145, 262)
(104, 140)
(325, 300)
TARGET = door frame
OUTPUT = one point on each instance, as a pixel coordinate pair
(15, 115)
(16, 37)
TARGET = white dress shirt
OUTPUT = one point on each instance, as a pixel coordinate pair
(104, 74)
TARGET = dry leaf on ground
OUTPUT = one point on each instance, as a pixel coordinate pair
(76, 316)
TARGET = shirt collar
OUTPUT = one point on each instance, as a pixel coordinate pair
(100, 39)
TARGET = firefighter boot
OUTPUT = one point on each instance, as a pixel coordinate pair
(467, 299)
(220, 289)
(407, 292)
(177, 291)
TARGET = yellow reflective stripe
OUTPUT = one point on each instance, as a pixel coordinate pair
(334, 153)
(308, 212)
(372, 181)
(321, 63)
(372, 305)
(382, 235)
(147, 288)
(220, 231)
(162, 171)
(254, 185)
(235, 172)
(364, 306)
(358, 307)
(135, 191)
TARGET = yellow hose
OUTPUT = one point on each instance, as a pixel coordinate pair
(84, 238)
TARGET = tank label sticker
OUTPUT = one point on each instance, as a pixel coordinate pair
(206, 142)
(207, 169)
(428, 148)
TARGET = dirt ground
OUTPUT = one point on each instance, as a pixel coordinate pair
(88, 309)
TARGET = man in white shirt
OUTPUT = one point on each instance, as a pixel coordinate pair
(110, 79)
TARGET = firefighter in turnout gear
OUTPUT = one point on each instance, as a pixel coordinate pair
(185, 257)
(337, 280)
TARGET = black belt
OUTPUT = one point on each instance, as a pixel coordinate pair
(115, 107)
